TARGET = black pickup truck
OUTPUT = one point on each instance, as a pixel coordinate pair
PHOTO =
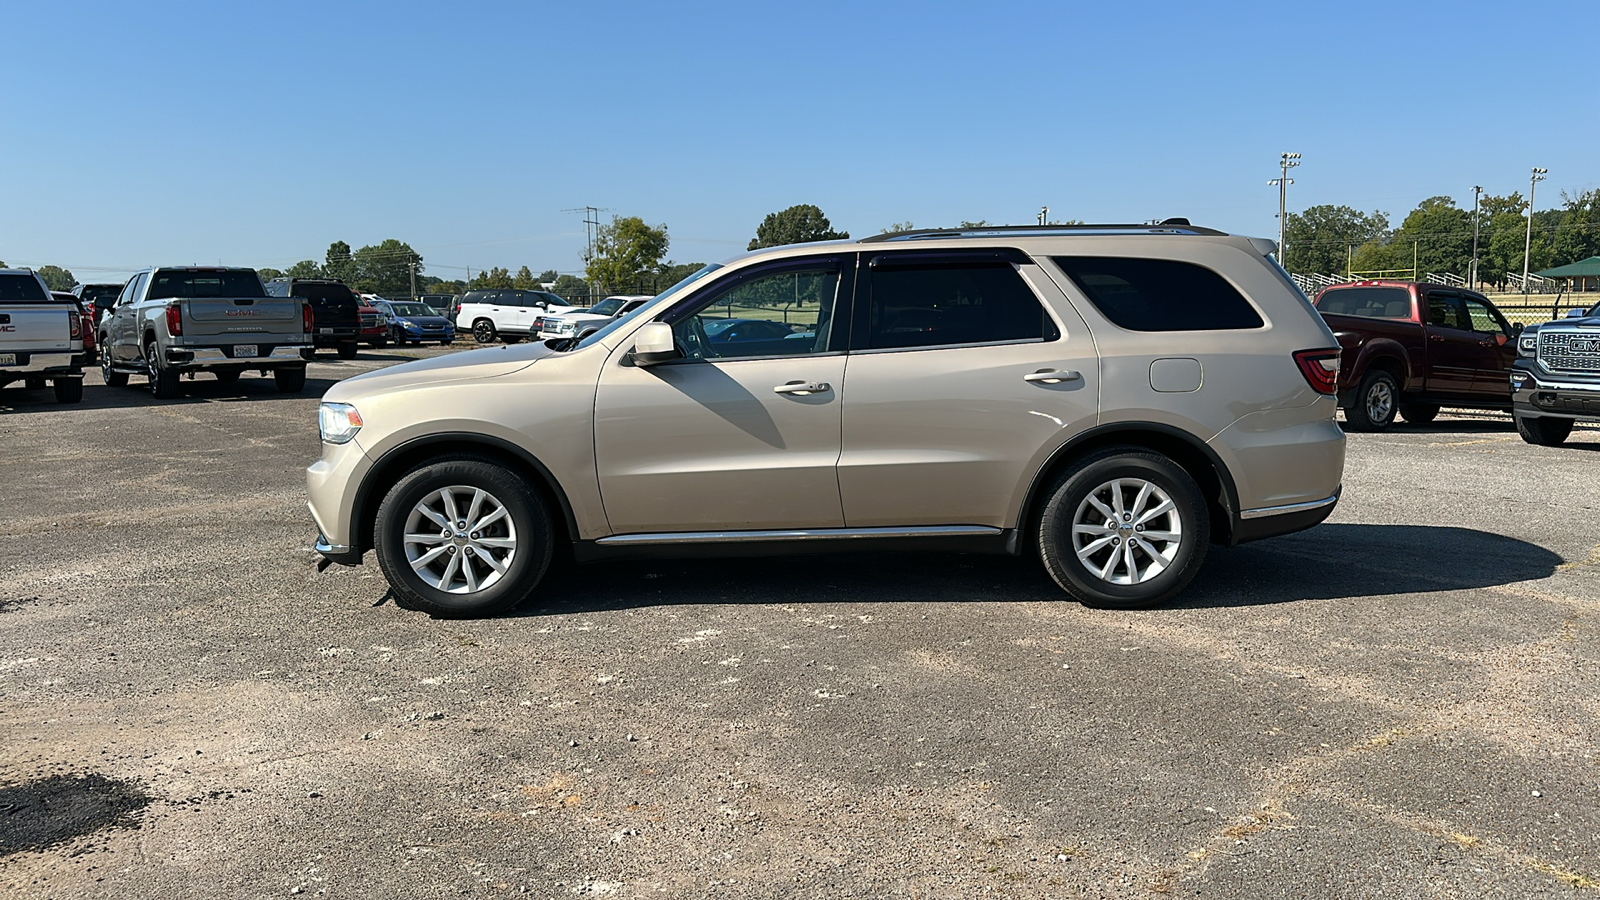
(1555, 379)
(335, 311)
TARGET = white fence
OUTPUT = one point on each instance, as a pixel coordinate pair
(1535, 285)
(1446, 278)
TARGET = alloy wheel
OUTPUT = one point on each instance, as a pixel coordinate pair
(460, 539)
(1126, 531)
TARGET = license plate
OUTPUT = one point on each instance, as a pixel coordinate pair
(325, 331)
(243, 351)
(8, 359)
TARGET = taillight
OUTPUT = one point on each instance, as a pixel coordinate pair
(75, 324)
(174, 319)
(305, 316)
(538, 323)
(1321, 369)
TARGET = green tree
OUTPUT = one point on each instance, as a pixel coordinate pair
(491, 279)
(337, 262)
(672, 273)
(385, 268)
(57, 278)
(627, 251)
(1319, 239)
(572, 288)
(548, 276)
(524, 280)
(894, 228)
(305, 268)
(1578, 235)
(267, 274)
(799, 224)
(1435, 237)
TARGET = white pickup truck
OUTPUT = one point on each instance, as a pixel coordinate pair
(41, 339)
(186, 319)
(577, 323)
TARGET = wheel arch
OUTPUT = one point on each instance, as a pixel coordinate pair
(1189, 452)
(394, 464)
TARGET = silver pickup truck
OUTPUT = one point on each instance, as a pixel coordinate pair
(181, 320)
(41, 339)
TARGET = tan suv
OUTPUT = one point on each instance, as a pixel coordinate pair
(1112, 398)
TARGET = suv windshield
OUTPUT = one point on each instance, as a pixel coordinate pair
(182, 283)
(606, 307)
(413, 309)
(673, 291)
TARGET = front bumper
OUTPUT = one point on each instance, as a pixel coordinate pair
(1560, 394)
(331, 486)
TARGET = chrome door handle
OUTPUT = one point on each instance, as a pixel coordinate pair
(802, 387)
(1051, 376)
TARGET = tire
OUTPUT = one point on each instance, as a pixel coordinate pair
(511, 339)
(1088, 555)
(112, 377)
(33, 384)
(524, 536)
(68, 390)
(1546, 431)
(347, 351)
(163, 381)
(483, 331)
(290, 379)
(1374, 404)
(1419, 413)
(228, 376)
(380, 343)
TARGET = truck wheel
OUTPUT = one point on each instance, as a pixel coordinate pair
(1123, 528)
(68, 390)
(380, 343)
(228, 376)
(112, 377)
(347, 351)
(1374, 404)
(290, 379)
(483, 331)
(1546, 431)
(1419, 413)
(33, 384)
(460, 538)
(163, 381)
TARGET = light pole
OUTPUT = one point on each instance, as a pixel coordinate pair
(1527, 245)
(1044, 214)
(1287, 161)
(1472, 271)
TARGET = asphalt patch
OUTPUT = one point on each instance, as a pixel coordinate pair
(44, 813)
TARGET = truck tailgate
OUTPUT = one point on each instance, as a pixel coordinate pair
(243, 316)
(36, 327)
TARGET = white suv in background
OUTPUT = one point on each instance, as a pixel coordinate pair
(506, 315)
(574, 323)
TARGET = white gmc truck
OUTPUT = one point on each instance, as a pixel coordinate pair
(181, 320)
(41, 339)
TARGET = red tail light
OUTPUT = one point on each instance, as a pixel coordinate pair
(174, 319)
(305, 317)
(1321, 369)
(75, 323)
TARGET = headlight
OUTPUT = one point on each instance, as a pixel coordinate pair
(1527, 343)
(338, 422)
(412, 326)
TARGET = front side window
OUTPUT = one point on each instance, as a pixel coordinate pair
(924, 302)
(788, 313)
(1485, 319)
(1445, 310)
(1159, 294)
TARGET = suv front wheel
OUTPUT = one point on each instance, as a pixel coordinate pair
(1123, 528)
(461, 538)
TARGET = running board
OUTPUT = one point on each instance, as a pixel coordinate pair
(806, 534)
(798, 541)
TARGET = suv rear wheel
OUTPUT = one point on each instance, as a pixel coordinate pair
(1123, 528)
(461, 538)
(483, 331)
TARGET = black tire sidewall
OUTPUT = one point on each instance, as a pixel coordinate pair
(1054, 530)
(289, 380)
(483, 331)
(528, 513)
(1356, 415)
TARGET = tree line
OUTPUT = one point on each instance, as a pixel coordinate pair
(1437, 237)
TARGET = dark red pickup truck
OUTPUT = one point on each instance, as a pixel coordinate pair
(1411, 348)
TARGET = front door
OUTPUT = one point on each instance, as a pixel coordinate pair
(1496, 350)
(959, 382)
(742, 433)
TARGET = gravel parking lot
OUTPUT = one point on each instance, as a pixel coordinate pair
(1401, 702)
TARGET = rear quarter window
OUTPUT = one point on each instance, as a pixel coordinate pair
(1370, 302)
(1159, 294)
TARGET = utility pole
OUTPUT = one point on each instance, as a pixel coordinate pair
(413, 266)
(591, 227)
(1527, 245)
(1286, 161)
(1472, 274)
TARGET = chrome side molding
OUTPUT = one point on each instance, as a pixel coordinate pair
(1291, 508)
(804, 534)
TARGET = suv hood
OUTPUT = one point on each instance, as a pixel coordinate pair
(423, 320)
(490, 362)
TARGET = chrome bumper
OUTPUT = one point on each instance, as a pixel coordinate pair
(45, 362)
(199, 356)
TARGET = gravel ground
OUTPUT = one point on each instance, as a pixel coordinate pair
(1401, 702)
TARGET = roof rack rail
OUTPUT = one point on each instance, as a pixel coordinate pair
(1166, 226)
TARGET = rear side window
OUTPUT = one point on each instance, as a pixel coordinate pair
(1371, 302)
(929, 304)
(1159, 294)
(15, 288)
(182, 284)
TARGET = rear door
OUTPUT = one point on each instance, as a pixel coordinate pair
(959, 381)
(1453, 351)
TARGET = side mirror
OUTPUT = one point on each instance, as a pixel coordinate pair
(1516, 329)
(653, 344)
(1577, 313)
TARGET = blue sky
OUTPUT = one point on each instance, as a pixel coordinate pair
(256, 134)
